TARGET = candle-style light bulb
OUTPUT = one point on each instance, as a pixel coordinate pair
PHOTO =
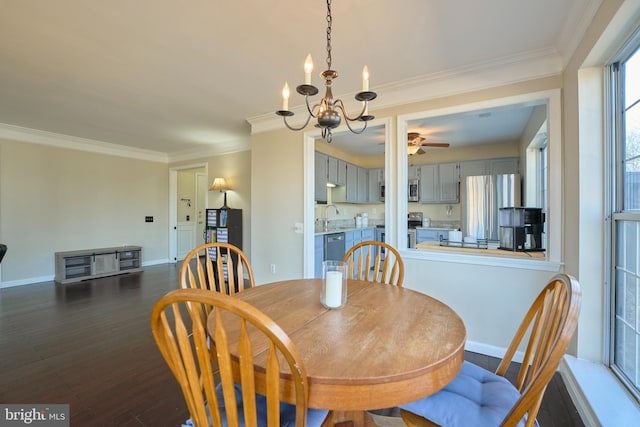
(365, 79)
(308, 68)
(285, 97)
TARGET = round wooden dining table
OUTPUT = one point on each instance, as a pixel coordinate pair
(387, 346)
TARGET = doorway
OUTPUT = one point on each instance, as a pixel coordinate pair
(187, 208)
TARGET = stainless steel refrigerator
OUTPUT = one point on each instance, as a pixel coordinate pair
(481, 197)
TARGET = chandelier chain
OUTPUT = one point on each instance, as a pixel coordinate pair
(329, 22)
(329, 111)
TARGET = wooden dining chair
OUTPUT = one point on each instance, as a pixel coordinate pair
(179, 326)
(374, 261)
(218, 266)
(477, 397)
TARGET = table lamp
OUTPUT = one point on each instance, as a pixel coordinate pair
(220, 184)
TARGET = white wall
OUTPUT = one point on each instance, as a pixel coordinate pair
(54, 199)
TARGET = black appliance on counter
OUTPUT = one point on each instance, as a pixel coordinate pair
(521, 229)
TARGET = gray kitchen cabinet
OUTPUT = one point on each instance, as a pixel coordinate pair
(321, 175)
(507, 165)
(356, 189)
(376, 177)
(319, 255)
(429, 184)
(332, 170)
(362, 192)
(351, 194)
(439, 183)
(449, 180)
(473, 168)
(348, 239)
(413, 172)
(368, 234)
(342, 172)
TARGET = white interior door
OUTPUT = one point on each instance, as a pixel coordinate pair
(201, 206)
(186, 237)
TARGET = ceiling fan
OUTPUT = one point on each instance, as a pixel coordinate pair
(415, 144)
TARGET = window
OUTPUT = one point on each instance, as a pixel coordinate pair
(625, 215)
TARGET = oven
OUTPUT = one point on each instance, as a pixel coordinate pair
(414, 219)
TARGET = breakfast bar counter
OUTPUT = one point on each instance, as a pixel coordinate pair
(492, 252)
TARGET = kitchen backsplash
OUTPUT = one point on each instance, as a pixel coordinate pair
(442, 216)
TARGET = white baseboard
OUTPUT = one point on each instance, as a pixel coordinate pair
(491, 350)
(40, 279)
(27, 281)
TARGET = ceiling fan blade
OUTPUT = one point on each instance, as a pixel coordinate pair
(420, 151)
(434, 144)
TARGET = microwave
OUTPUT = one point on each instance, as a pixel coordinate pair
(413, 191)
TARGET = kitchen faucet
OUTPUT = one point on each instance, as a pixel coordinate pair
(325, 219)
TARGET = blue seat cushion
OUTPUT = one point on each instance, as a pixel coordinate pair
(315, 417)
(476, 397)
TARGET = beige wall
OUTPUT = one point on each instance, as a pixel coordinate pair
(277, 204)
(54, 199)
(236, 169)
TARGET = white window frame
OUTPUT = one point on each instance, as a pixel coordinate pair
(616, 211)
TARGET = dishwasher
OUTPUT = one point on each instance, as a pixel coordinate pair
(333, 247)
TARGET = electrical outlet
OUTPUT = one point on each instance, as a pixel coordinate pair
(273, 268)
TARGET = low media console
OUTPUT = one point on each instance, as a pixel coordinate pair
(75, 266)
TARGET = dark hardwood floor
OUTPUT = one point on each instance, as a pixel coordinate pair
(90, 345)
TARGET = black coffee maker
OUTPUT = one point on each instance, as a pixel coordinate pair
(521, 229)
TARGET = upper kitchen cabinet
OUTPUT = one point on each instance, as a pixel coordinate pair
(473, 168)
(439, 183)
(499, 166)
(449, 176)
(337, 171)
(356, 189)
(507, 165)
(376, 185)
(321, 176)
(413, 172)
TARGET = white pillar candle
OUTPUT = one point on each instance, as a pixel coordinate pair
(285, 96)
(333, 296)
(308, 68)
(365, 79)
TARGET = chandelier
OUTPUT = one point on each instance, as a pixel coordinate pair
(328, 110)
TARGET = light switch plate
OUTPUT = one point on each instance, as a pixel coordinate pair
(298, 227)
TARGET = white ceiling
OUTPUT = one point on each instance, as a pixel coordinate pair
(176, 77)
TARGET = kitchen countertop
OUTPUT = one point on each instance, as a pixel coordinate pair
(492, 252)
(331, 230)
(436, 228)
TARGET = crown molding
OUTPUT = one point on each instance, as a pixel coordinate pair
(502, 71)
(580, 17)
(219, 149)
(35, 136)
